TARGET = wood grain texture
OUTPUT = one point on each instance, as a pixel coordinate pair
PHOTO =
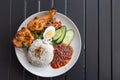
(104, 39)
(91, 39)
(16, 18)
(5, 40)
(116, 39)
(77, 16)
(31, 7)
(45, 5)
(58, 4)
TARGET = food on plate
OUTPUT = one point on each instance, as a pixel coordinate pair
(23, 36)
(60, 39)
(54, 22)
(49, 32)
(58, 33)
(39, 23)
(46, 40)
(40, 53)
(37, 34)
(62, 55)
(25, 45)
(68, 37)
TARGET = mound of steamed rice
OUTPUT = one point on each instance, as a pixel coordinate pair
(45, 55)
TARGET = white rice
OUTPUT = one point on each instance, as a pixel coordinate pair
(45, 57)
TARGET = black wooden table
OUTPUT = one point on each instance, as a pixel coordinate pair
(98, 22)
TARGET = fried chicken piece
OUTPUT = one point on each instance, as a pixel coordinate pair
(39, 23)
(23, 36)
(54, 22)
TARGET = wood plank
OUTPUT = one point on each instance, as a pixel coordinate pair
(60, 5)
(45, 5)
(77, 16)
(116, 39)
(5, 40)
(104, 39)
(16, 15)
(31, 7)
(91, 39)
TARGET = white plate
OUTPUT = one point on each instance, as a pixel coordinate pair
(48, 71)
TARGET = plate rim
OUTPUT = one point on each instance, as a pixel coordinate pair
(80, 43)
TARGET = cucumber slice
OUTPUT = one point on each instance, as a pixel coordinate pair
(58, 33)
(63, 29)
(68, 37)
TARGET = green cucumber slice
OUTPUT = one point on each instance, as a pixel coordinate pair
(63, 29)
(58, 33)
(68, 37)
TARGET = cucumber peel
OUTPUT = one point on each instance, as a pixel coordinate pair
(63, 29)
(68, 37)
(58, 34)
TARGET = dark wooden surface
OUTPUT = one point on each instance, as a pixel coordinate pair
(98, 22)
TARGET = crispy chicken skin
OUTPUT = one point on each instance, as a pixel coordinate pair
(23, 36)
(39, 23)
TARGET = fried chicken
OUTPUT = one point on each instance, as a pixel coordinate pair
(23, 36)
(39, 23)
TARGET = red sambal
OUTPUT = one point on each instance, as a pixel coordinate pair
(62, 55)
